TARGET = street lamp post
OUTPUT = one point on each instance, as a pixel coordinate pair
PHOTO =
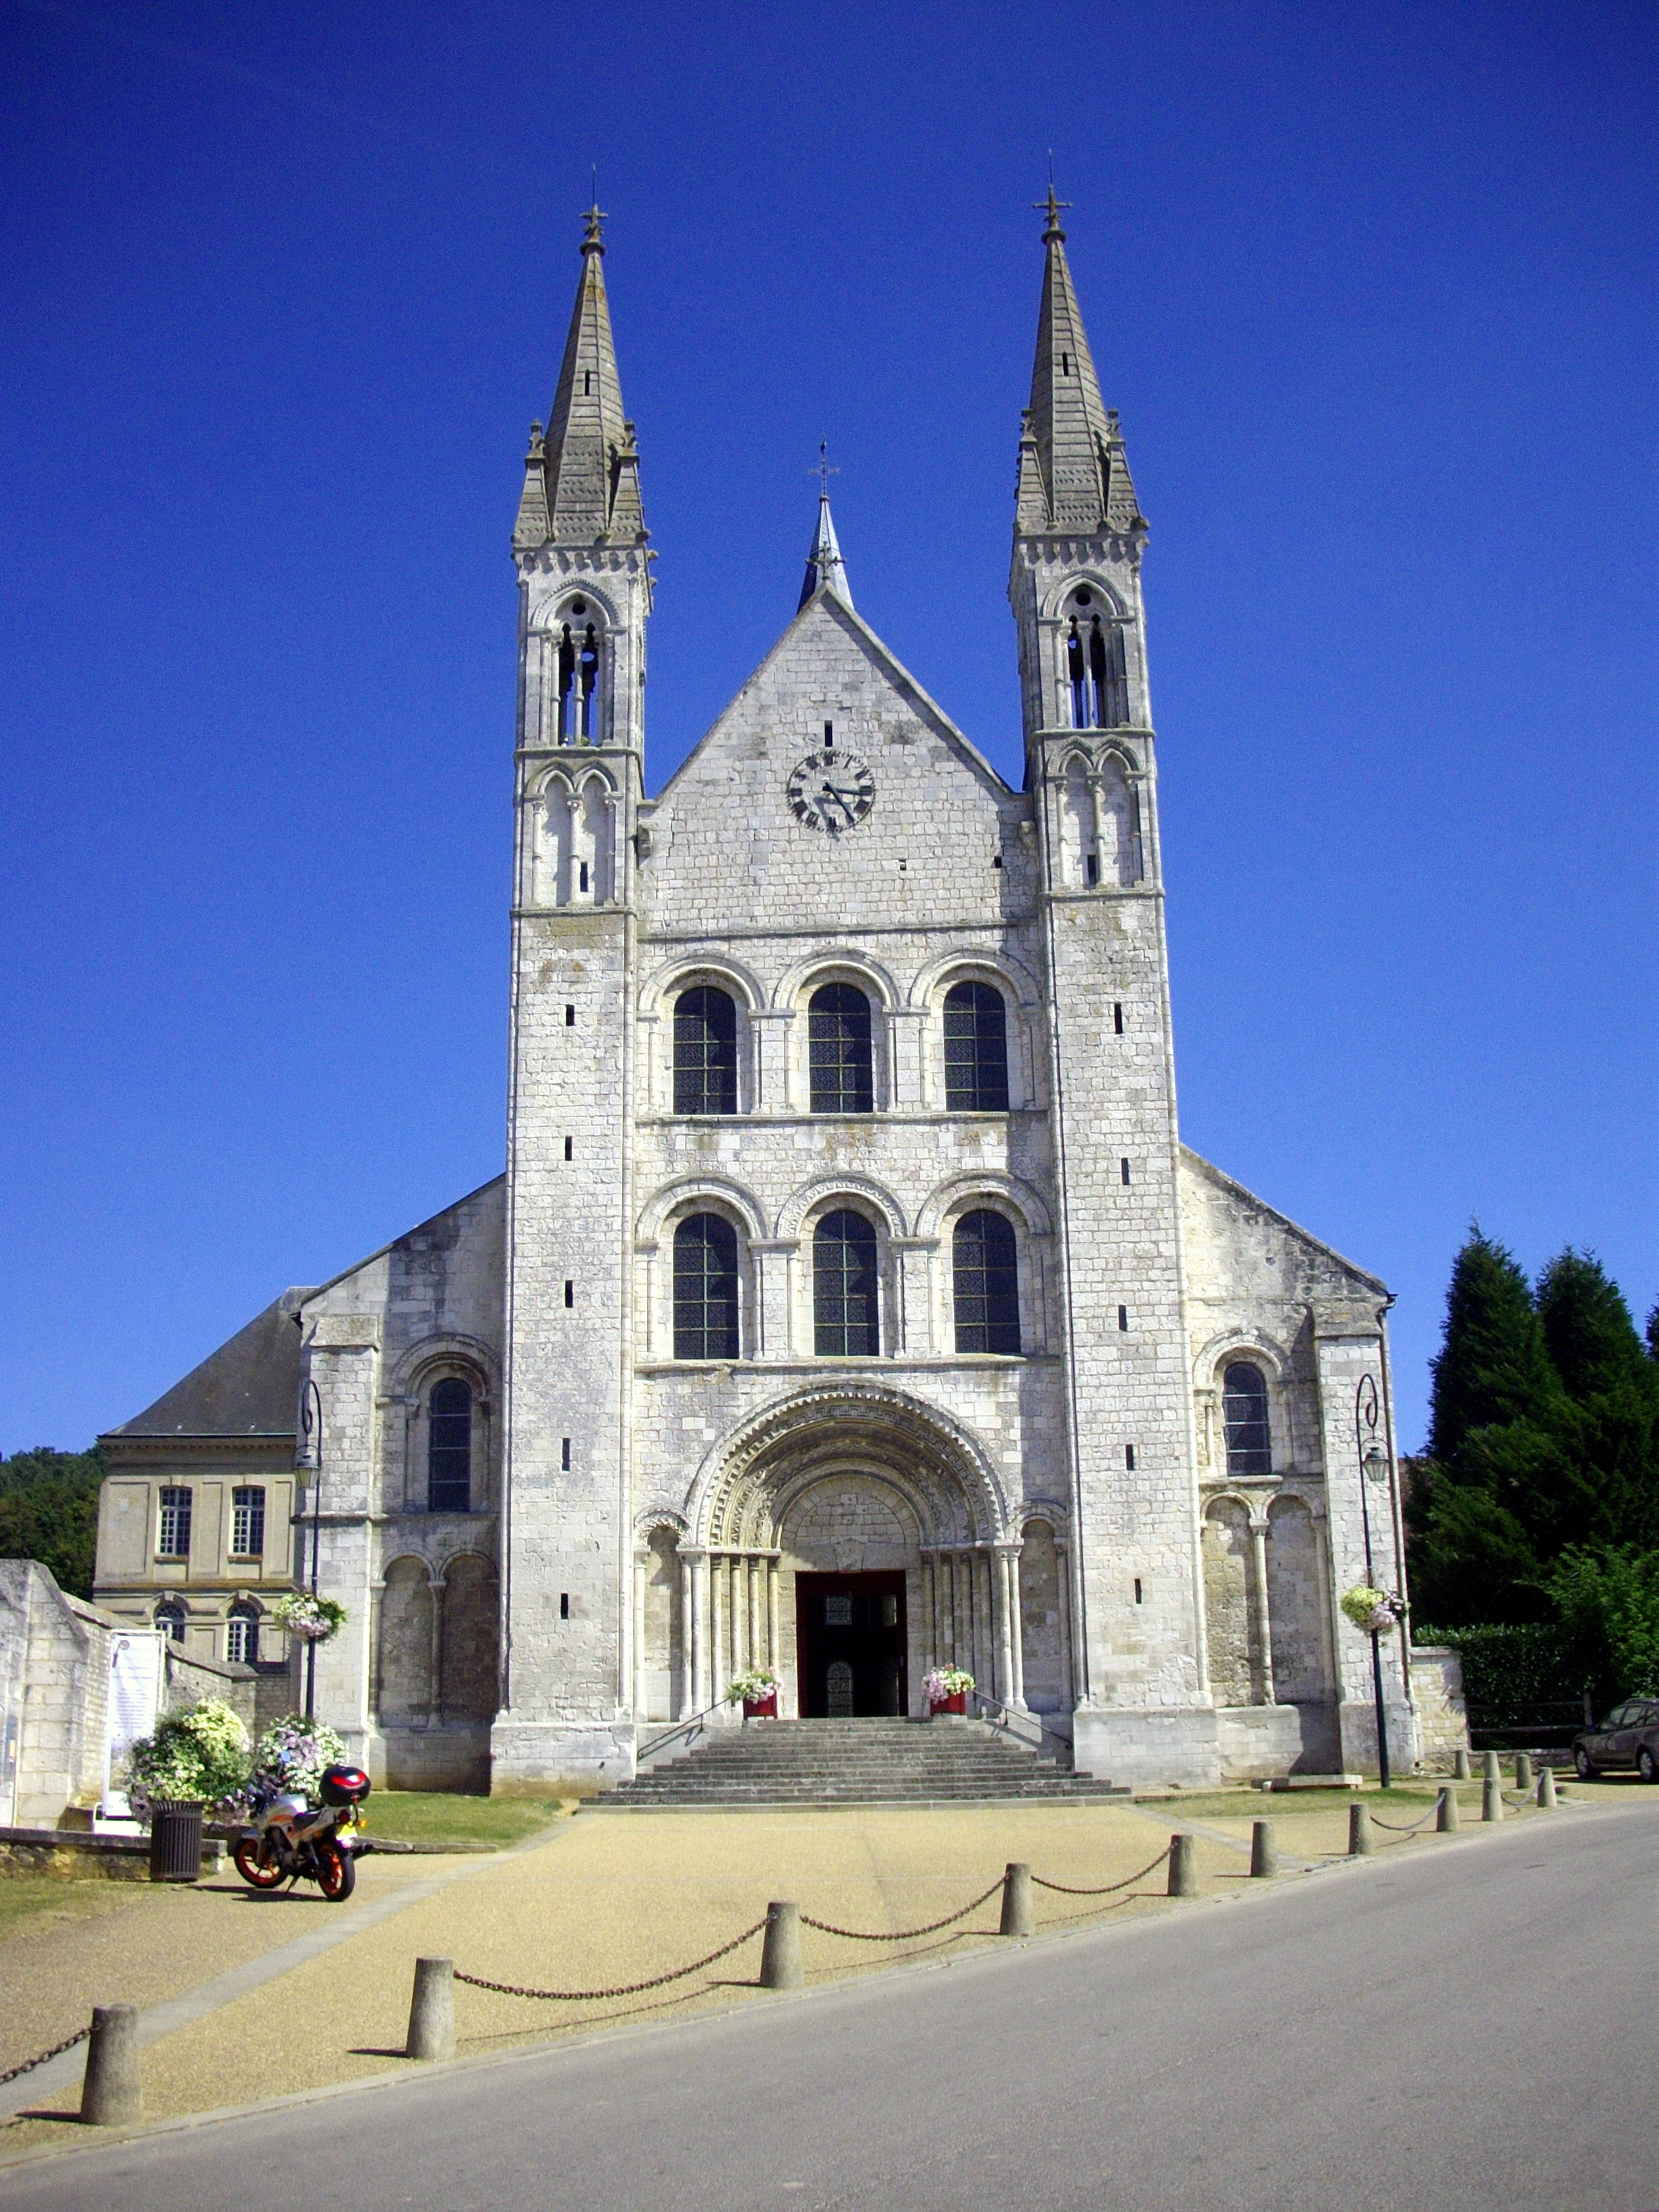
(1373, 1467)
(311, 1419)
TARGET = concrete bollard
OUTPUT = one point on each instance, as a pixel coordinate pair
(1446, 1818)
(1490, 1770)
(1264, 1850)
(1523, 1771)
(113, 2095)
(1492, 1799)
(1460, 1764)
(1546, 1798)
(1362, 1841)
(781, 1955)
(1184, 1865)
(431, 2010)
(1017, 1901)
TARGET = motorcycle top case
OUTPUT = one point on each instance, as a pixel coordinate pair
(344, 1786)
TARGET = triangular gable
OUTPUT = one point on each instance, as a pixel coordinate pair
(1246, 1201)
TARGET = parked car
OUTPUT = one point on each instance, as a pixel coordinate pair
(1629, 1736)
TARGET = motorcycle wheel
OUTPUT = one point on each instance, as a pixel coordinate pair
(337, 1873)
(258, 1863)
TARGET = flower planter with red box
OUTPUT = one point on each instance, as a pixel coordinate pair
(760, 1709)
(956, 1704)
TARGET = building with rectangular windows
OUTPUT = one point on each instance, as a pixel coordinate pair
(849, 1304)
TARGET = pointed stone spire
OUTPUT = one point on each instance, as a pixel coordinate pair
(1073, 471)
(588, 462)
(825, 569)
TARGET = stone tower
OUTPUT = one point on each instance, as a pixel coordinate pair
(585, 593)
(1075, 586)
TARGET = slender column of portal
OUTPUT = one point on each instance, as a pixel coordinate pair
(1003, 1686)
(685, 1702)
(960, 1650)
(1008, 1557)
(1062, 1568)
(990, 1652)
(756, 1613)
(698, 1571)
(941, 1637)
(1264, 1634)
(435, 1680)
(925, 1592)
(772, 1637)
(641, 1561)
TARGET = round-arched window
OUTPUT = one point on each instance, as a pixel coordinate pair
(705, 1288)
(1244, 1412)
(449, 1447)
(846, 1318)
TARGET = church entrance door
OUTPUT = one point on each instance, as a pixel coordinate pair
(850, 1635)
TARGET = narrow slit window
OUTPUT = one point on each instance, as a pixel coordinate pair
(1123, 1318)
(569, 1292)
(1123, 1170)
(569, 1152)
(564, 1453)
(829, 737)
(1138, 1597)
(570, 1018)
(564, 1604)
(1129, 1457)
(985, 1275)
(1117, 1019)
(582, 877)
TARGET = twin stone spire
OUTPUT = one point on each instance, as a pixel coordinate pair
(581, 484)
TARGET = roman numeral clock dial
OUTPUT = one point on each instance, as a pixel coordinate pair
(830, 791)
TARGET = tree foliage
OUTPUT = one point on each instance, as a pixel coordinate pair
(1543, 1452)
(49, 1512)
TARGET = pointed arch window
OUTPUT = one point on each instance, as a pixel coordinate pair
(1095, 668)
(1244, 1416)
(976, 1049)
(704, 1052)
(579, 677)
(985, 1275)
(846, 1318)
(841, 1068)
(449, 1447)
(706, 1288)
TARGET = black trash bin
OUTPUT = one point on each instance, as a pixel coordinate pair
(175, 1840)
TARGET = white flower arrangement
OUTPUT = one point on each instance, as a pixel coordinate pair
(753, 1688)
(946, 1682)
(307, 1615)
(1373, 1611)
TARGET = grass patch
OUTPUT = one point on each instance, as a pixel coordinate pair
(445, 1816)
(30, 1902)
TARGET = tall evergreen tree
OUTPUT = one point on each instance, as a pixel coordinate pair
(1492, 1366)
(1588, 1330)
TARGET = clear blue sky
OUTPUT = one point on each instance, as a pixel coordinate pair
(1374, 289)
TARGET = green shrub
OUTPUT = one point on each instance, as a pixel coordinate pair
(1507, 1664)
(203, 1754)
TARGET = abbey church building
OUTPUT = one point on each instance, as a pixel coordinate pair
(849, 1304)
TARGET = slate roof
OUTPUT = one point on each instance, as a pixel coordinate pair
(250, 1387)
(1074, 474)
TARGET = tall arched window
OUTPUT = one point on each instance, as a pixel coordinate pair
(838, 1046)
(579, 677)
(705, 1053)
(846, 1319)
(1095, 668)
(976, 1049)
(242, 1634)
(1244, 1412)
(449, 1447)
(705, 1288)
(986, 1277)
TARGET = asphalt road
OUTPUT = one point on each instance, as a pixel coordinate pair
(1471, 2025)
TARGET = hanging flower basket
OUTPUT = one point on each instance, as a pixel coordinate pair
(946, 1689)
(313, 1619)
(1373, 1611)
(758, 1691)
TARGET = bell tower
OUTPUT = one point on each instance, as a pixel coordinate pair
(585, 594)
(1141, 1679)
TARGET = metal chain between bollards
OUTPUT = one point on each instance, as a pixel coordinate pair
(625, 1988)
(56, 2051)
(904, 1935)
(1106, 1889)
(1406, 1828)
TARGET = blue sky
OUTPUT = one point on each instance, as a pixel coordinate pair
(282, 288)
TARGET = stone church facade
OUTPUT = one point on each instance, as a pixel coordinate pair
(849, 1304)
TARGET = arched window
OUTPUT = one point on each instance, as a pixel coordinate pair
(1244, 1412)
(242, 1634)
(706, 1287)
(579, 677)
(449, 1447)
(705, 1053)
(170, 1619)
(845, 1314)
(986, 1277)
(838, 1045)
(976, 1049)
(1096, 669)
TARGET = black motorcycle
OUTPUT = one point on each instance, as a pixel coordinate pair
(287, 1840)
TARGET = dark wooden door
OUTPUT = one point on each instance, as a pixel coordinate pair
(849, 1633)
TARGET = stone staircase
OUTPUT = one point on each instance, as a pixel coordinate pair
(852, 1762)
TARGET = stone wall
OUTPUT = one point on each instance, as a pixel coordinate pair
(1443, 1720)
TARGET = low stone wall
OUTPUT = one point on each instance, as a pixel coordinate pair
(1443, 1720)
(74, 1856)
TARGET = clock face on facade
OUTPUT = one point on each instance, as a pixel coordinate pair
(831, 791)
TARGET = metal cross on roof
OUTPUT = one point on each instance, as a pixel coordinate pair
(823, 469)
